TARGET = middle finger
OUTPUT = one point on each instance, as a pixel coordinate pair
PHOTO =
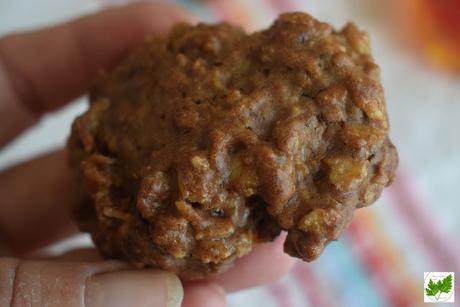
(35, 208)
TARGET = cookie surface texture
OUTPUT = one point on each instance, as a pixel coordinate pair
(210, 140)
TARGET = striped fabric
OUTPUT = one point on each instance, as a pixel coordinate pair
(439, 29)
(381, 258)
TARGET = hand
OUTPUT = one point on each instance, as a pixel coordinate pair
(39, 72)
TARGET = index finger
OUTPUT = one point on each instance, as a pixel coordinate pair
(42, 70)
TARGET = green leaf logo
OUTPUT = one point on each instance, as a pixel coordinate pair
(435, 289)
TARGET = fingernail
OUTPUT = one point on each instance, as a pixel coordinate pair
(134, 288)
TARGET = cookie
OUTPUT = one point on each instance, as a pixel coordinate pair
(208, 141)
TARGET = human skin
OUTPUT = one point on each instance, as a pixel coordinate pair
(41, 71)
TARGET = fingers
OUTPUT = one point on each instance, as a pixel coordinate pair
(44, 283)
(134, 288)
(266, 263)
(35, 203)
(203, 294)
(42, 70)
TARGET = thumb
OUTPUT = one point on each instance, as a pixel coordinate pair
(80, 284)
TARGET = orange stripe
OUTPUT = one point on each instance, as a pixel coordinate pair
(440, 50)
(378, 273)
(446, 13)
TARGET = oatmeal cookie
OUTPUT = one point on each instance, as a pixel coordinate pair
(205, 142)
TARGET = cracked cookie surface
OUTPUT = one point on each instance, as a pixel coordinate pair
(210, 140)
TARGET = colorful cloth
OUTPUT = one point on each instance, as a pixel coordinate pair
(439, 31)
(414, 227)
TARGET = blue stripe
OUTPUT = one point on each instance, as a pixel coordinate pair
(345, 277)
(197, 9)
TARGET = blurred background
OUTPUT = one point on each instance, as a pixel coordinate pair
(414, 227)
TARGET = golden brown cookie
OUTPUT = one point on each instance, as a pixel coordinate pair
(210, 140)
